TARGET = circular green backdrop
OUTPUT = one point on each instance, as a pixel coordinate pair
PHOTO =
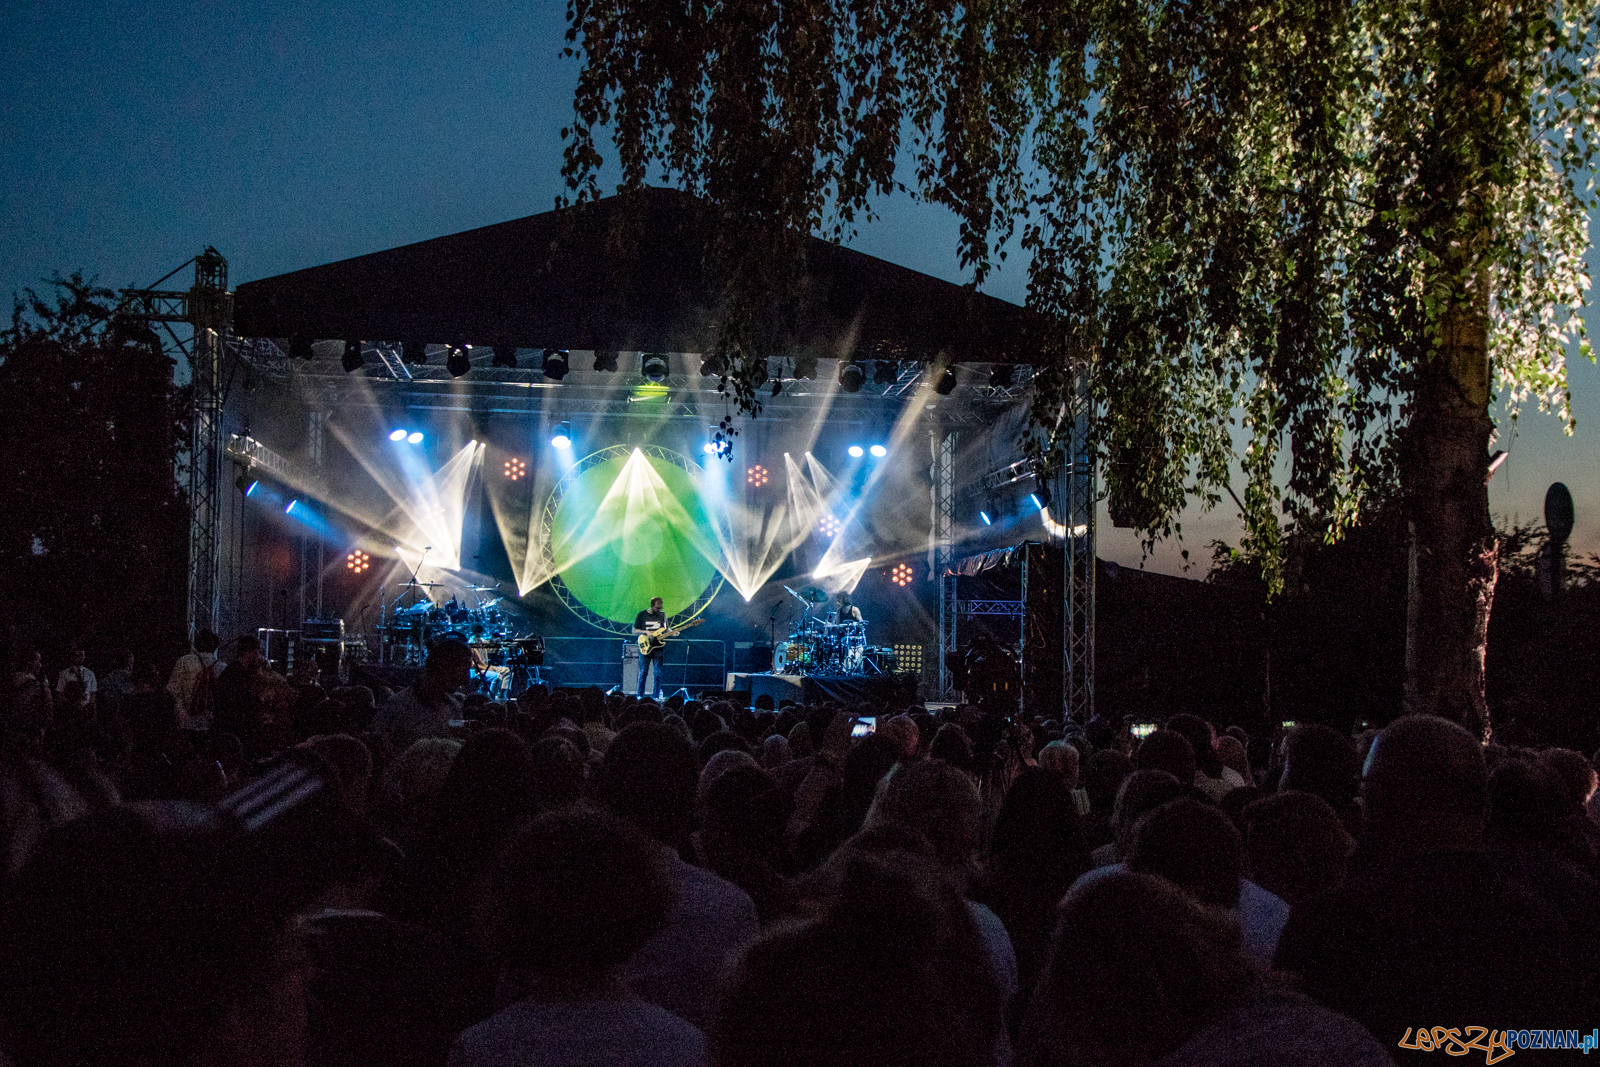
(630, 528)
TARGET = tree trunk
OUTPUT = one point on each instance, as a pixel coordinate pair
(1454, 554)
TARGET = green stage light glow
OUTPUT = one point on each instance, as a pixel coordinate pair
(627, 530)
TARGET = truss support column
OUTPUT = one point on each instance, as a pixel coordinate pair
(210, 310)
(941, 546)
(1078, 494)
(315, 435)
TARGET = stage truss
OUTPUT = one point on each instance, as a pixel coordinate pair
(547, 521)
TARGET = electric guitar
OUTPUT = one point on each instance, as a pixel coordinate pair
(649, 644)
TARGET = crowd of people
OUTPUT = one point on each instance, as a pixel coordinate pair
(218, 864)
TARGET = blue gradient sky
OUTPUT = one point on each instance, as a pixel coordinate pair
(289, 135)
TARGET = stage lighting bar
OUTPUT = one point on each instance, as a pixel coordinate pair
(756, 476)
(829, 526)
(287, 508)
(987, 520)
(945, 384)
(357, 561)
(459, 361)
(901, 575)
(515, 468)
(562, 438)
(246, 484)
(851, 376)
(556, 364)
(1001, 375)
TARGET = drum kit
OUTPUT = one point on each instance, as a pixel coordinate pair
(410, 630)
(817, 646)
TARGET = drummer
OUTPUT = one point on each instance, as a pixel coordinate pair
(844, 611)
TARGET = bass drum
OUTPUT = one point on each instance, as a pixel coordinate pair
(791, 657)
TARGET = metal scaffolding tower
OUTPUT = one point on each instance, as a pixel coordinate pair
(208, 309)
(1075, 490)
(941, 545)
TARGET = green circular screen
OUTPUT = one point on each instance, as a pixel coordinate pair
(629, 529)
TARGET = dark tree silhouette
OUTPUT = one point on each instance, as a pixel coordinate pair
(93, 527)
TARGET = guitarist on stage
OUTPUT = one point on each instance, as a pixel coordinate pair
(652, 623)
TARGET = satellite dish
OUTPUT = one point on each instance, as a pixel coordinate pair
(1559, 513)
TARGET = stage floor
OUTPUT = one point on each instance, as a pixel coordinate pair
(887, 691)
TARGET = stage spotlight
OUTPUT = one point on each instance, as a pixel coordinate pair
(901, 575)
(946, 382)
(885, 372)
(397, 435)
(606, 361)
(356, 561)
(713, 366)
(290, 506)
(987, 521)
(1041, 499)
(505, 356)
(555, 364)
(414, 352)
(829, 526)
(563, 436)
(515, 468)
(299, 347)
(878, 451)
(709, 448)
(1002, 375)
(458, 362)
(654, 366)
(805, 366)
(246, 484)
(414, 437)
(851, 376)
(856, 451)
(756, 476)
(352, 356)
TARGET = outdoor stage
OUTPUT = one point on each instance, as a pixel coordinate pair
(537, 444)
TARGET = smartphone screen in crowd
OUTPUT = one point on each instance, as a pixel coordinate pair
(865, 726)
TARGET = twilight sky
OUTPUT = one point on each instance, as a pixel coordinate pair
(289, 135)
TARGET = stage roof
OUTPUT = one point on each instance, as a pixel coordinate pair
(570, 279)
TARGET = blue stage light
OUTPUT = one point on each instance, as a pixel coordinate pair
(290, 506)
(987, 521)
(878, 451)
(856, 451)
(397, 435)
(414, 437)
(1036, 501)
(563, 436)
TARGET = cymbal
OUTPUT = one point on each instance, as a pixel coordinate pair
(812, 595)
(483, 588)
(422, 585)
